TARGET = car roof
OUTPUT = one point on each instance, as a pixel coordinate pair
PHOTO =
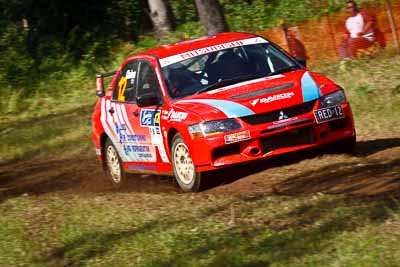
(189, 45)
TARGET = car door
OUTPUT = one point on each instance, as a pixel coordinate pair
(148, 118)
(128, 138)
(118, 129)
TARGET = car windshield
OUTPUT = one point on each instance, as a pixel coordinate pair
(225, 67)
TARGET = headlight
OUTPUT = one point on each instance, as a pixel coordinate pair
(213, 127)
(333, 99)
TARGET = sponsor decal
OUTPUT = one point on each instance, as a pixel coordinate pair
(108, 124)
(286, 122)
(130, 74)
(266, 100)
(141, 167)
(135, 148)
(135, 137)
(123, 136)
(254, 102)
(127, 143)
(280, 121)
(154, 130)
(197, 52)
(121, 133)
(237, 137)
(155, 135)
(149, 117)
(173, 115)
(120, 127)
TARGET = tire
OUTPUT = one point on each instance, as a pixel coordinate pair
(113, 166)
(184, 170)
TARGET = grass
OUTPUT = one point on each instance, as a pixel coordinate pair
(310, 228)
(119, 230)
(372, 89)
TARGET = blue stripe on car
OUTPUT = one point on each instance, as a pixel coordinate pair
(229, 108)
(309, 88)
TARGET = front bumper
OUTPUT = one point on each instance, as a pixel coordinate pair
(272, 138)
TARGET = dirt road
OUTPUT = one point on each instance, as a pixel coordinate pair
(373, 170)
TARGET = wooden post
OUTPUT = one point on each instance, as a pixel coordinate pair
(393, 25)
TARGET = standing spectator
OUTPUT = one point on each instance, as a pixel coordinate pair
(360, 31)
(296, 47)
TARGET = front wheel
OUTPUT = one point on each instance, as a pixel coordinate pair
(113, 166)
(184, 170)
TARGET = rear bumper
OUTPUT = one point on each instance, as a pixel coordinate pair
(271, 139)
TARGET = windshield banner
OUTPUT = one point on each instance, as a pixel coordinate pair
(201, 51)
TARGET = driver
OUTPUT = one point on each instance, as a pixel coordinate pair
(180, 81)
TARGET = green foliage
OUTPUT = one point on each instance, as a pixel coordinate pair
(184, 11)
(16, 65)
(189, 30)
(259, 14)
(59, 35)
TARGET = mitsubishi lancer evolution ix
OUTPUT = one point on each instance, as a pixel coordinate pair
(205, 104)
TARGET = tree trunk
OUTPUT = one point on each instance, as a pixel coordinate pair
(162, 17)
(393, 25)
(211, 16)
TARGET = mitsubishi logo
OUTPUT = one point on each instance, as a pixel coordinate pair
(282, 116)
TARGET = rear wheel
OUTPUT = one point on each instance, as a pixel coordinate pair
(113, 166)
(184, 170)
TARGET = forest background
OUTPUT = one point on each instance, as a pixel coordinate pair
(50, 47)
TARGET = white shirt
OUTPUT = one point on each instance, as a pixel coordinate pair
(355, 25)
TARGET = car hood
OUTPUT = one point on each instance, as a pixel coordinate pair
(254, 96)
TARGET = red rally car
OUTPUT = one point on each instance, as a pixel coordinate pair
(212, 102)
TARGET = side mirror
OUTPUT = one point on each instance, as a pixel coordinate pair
(100, 91)
(147, 99)
(302, 61)
(99, 85)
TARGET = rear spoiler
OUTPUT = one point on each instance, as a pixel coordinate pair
(100, 91)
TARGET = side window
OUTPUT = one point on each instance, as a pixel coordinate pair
(147, 80)
(125, 89)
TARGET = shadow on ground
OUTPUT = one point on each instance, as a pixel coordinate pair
(83, 174)
(76, 175)
(375, 171)
(359, 179)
